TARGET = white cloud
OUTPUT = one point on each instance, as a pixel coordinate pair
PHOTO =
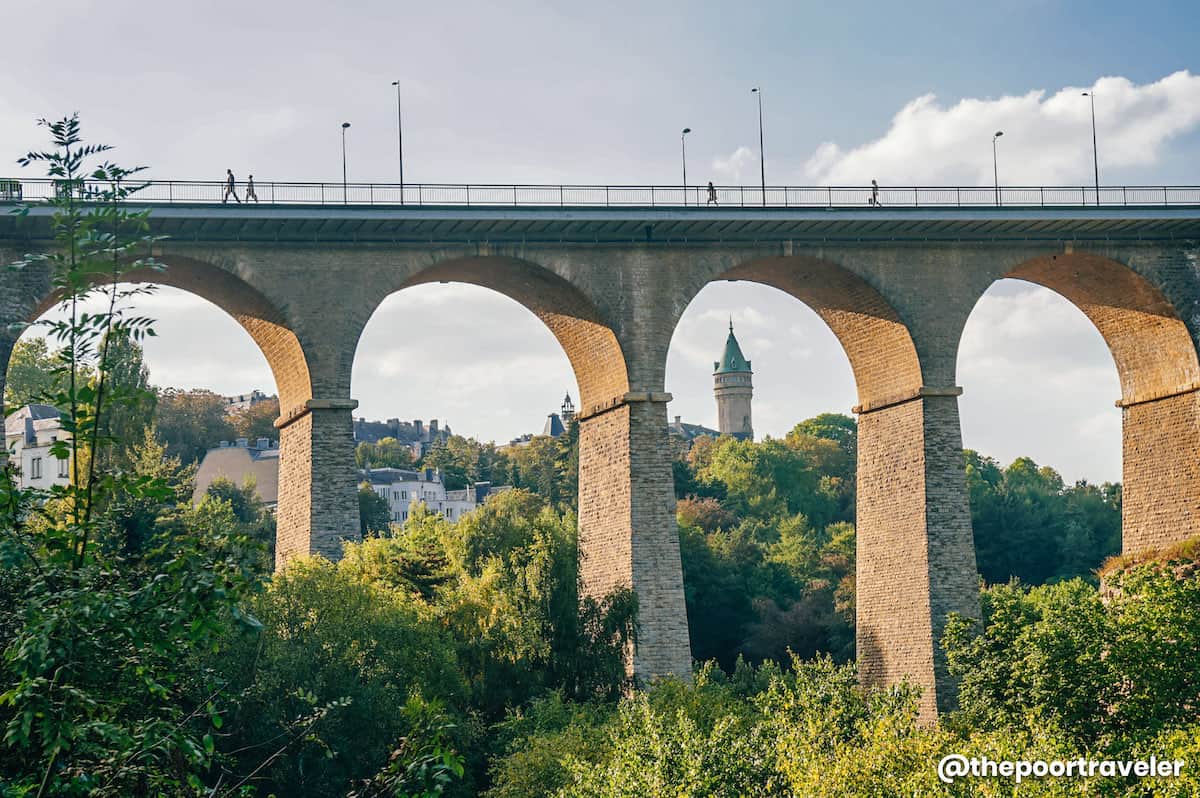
(1038, 381)
(1047, 138)
(729, 169)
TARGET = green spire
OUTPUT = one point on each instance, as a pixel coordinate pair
(733, 360)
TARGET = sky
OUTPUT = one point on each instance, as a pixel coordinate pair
(569, 92)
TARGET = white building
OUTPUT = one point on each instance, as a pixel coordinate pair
(28, 435)
(404, 487)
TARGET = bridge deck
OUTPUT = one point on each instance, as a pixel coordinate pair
(408, 224)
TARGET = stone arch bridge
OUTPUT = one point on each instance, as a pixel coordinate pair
(895, 285)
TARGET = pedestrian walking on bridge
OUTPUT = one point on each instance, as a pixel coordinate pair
(874, 200)
(230, 182)
(250, 195)
(712, 195)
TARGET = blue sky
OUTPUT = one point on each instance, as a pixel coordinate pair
(540, 92)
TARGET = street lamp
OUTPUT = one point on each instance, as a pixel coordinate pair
(995, 169)
(762, 158)
(344, 126)
(400, 138)
(1095, 156)
(683, 152)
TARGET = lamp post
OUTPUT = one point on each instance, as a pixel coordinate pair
(762, 158)
(995, 168)
(683, 153)
(344, 126)
(399, 138)
(1091, 95)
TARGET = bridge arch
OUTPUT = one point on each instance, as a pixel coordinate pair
(256, 314)
(589, 343)
(272, 332)
(625, 499)
(1155, 356)
(915, 558)
(875, 339)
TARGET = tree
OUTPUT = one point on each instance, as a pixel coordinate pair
(549, 467)
(191, 422)
(836, 427)
(1028, 525)
(254, 520)
(32, 373)
(137, 519)
(374, 512)
(330, 639)
(131, 400)
(102, 649)
(256, 421)
(463, 461)
(1108, 667)
(384, 453)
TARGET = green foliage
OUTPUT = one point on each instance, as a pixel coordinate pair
(374, 512)
(463, 461)
(1112, 667)
(1029, 525)
(508, 588)
(549, 467)
(423, 764)
(131, 400)
(537, 742)
(760, 578)
(33, 373)
(361, 648)
(133, 519)
(256, 421)
(103, 616)
(250, 517)
(191, 422)
(384, 453)
(98, 700)
(480, 616)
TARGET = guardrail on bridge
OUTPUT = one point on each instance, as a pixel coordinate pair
(189, 192)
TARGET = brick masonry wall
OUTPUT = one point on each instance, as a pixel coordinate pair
(318, 496)
(627, 531)
(893, 629)
(293, 519)
(1161, 472)
(916, 556)
(950, 553)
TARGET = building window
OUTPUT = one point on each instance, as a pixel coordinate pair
(35, 468)
(63, 468)
(405, 515)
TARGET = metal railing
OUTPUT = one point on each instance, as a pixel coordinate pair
(212, 192)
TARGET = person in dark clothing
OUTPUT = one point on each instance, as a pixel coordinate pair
(874, 200)
(229, 187)
(250, 195)
(712, 195)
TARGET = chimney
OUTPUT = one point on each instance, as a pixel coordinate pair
(243, 443)
(264, 443)
(433, 428)
(678, 421)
